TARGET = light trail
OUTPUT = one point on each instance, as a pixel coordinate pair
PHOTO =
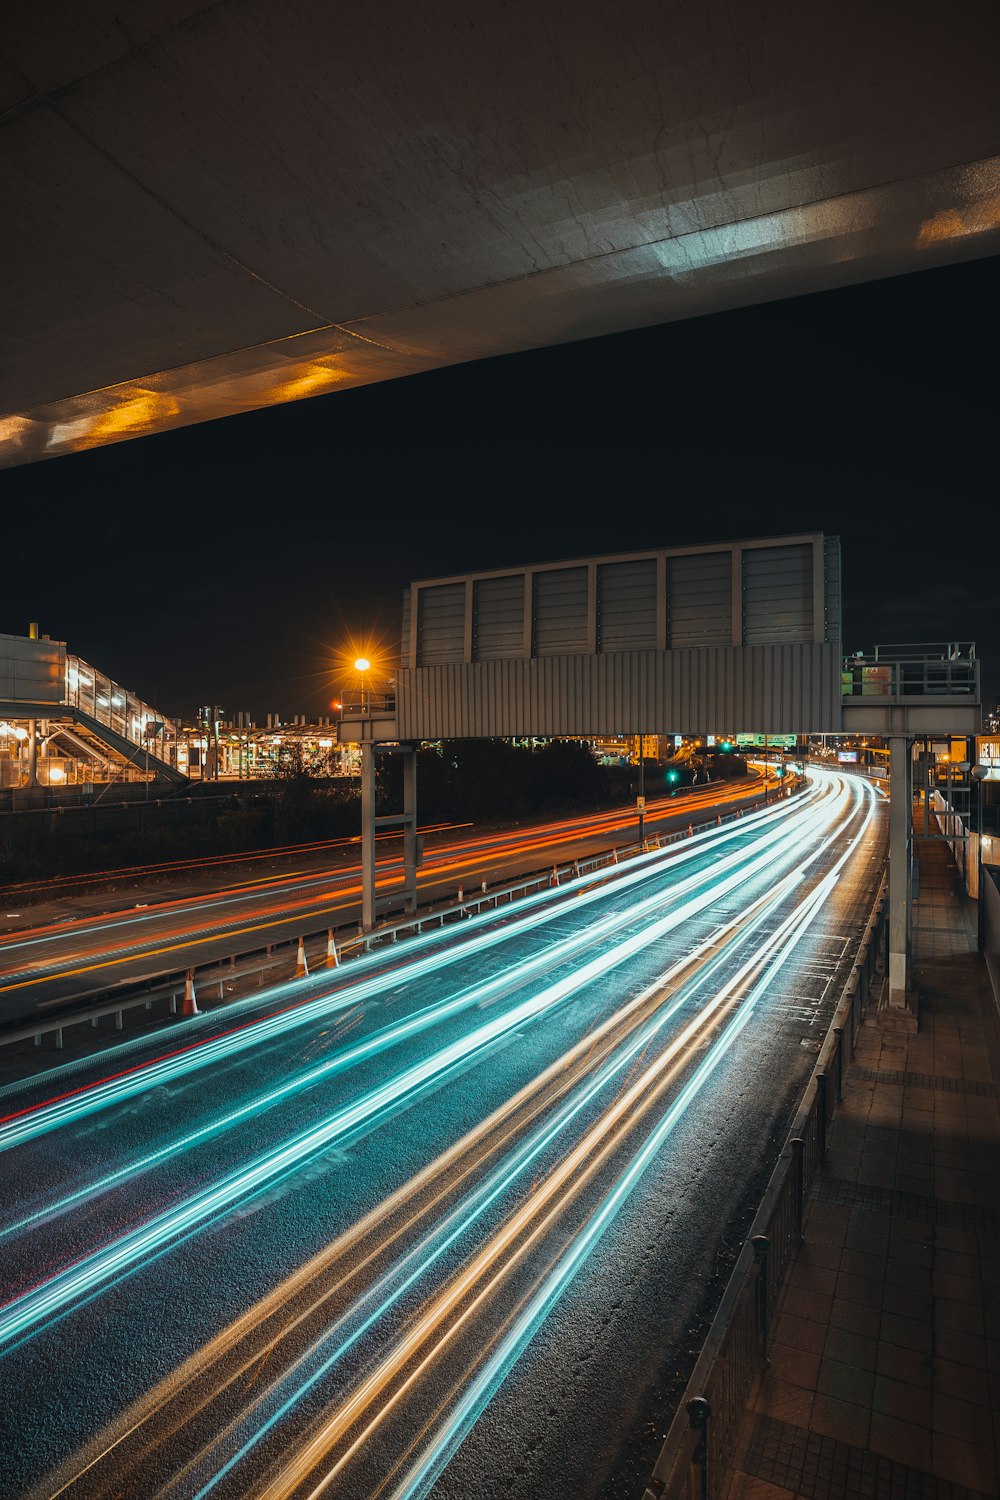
(452, 1434)
(446, 1314)
(208, 861)
(462, 1216)
(419, 1481)
(85, 1277)
(631, 1107)
(479, 935)
(448, 860)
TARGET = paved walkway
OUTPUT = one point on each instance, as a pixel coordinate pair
(885, 1363)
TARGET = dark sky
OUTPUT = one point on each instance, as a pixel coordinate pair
(234, 561)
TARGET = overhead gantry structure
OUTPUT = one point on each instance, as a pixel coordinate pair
(737, 636)
(217, 205)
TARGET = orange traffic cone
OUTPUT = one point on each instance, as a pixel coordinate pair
(461, 894)
(690, 830)
(332, 958)
(301, 967)
(719, 820)
(555, 875)
(189, 1005)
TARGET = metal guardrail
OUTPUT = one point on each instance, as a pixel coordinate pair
(321, 948)
(702, 1436)
(942, 669)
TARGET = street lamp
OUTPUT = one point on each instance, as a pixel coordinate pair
(361, 666)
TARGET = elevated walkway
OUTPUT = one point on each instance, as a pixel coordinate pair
(93, 731)
(884, 1376)
(60, 714)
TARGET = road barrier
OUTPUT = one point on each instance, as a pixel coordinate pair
(702, 1436)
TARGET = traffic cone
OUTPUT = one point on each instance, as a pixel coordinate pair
(461, 894)
(332, 960)
(719, 820)
(555, 875)
(189, 1005)
(690, 830)
(301, 967)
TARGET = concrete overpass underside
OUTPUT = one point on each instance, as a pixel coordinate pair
(217, 205)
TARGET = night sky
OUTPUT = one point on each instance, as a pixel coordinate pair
(235, 562)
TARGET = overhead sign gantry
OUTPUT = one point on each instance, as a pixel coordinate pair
(743, 636)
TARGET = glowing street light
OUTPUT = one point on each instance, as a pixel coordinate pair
(361, 666)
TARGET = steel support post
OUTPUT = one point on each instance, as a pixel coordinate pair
(367, 837)
(900, 843)
(410, 828)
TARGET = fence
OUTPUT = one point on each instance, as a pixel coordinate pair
(702, 1436)
(896, 673)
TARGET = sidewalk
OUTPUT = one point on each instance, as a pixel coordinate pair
(885, 1359)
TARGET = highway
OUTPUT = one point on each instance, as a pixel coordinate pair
(439, 1221)
(84, 952)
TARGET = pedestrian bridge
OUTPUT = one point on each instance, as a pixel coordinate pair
(62, 722)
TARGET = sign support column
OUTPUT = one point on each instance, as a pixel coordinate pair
(900, 847)
(367, 835)
(410, 842)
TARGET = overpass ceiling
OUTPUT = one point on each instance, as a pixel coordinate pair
(217, 205)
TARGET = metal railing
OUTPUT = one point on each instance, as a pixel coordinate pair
(936, 670)
(702, 1436)
(96, 694)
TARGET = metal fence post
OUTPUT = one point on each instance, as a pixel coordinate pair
(821, 1116)
(761, 1245)
(699, 1411)
(798, 1146)
(838, 1032)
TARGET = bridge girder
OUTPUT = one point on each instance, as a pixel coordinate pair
(212, 206)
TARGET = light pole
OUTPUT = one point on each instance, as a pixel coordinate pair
(766, 764)
(361, 666)
(641, 799)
